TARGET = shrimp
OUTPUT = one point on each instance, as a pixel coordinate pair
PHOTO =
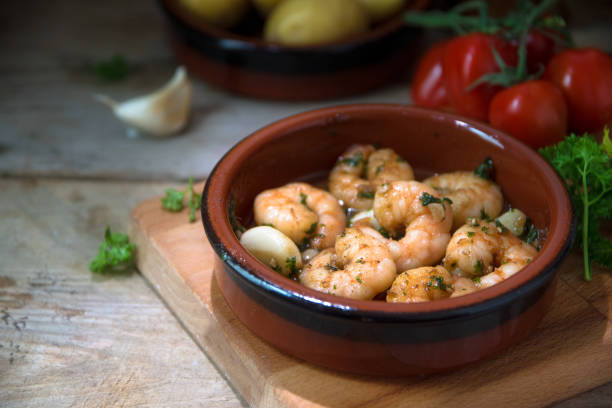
(421, 285)
(487, 253)
(471, 195)
(307, 215)
(359, 267)
(381, 166)
(417, 210)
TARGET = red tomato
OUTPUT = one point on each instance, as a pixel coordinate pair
(428, 87)
(585, 77)
(467, 58)
(540, 49)
(533, 111)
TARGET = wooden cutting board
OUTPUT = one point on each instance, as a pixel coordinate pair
(570, 351)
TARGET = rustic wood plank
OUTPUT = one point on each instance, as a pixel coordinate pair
(72, 338)
(570, 352)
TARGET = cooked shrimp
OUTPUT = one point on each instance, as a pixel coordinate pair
(516, 255)
(347, 182)
(471, 195)
(421, 285)
(359, 267)
(486, 252)
(419, 211)
(302, 212)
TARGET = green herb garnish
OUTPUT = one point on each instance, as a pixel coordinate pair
(115, 254)
(366, 194)
(470, 234)
(438, 282)
(478, 266)
(173, 200)
(113, 69)
(331, 267)
(352, 161)
(585, 167)
(193, 201)
(485, 169)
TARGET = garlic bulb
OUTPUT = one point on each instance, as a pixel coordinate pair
(160, 113)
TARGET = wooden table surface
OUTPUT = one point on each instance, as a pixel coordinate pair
(68, 337)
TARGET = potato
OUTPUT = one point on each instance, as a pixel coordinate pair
(265, 6)
(379, 10)
(220, 13)
(308, 22)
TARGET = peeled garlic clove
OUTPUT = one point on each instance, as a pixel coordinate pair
(160, 113)
(514, 220)
(365, 218)
(273, 248)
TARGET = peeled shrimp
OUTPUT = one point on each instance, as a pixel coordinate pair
(347, 182)
(304, 213)
(418, 211)
(421, 285)
(359, 267)
(470, 194)
(486, 252)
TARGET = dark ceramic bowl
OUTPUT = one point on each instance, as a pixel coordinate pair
(243, 63)
(375, 337)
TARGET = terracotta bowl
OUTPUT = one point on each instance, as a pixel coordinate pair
(243, 63)
(375, 337)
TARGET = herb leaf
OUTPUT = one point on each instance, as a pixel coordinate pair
(113, 69)
(485, 169)
(173, 200)
(193, 201)
(586, 170)
(115, 254)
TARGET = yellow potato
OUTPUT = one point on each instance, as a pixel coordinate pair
(265, 6)
(220, 13)
(307, 22)
(379, 10)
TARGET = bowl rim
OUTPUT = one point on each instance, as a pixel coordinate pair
(215, 204)
(234, 40)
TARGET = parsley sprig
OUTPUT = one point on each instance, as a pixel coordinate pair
(114, 255)
(586, 169)
(173, 200)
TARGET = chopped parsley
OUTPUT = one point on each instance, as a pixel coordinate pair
(358, 278)
(485, 169)
(360, 260)
(331, 267)
(476, 279)
(438, 282)
(366, 194)
(470, 234)
(427, 199)
(352, 161)
(478, 266)
(379, 168)
(484, 215)
(312, 228)
(291, 265)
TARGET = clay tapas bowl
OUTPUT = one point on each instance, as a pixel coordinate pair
(375, 337)
(242, 62)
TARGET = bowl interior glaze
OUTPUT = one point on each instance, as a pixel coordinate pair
(306, 146)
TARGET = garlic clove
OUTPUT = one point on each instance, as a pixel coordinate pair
(365, 218)
(160, 113)
(513, 219)
(273, 248)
